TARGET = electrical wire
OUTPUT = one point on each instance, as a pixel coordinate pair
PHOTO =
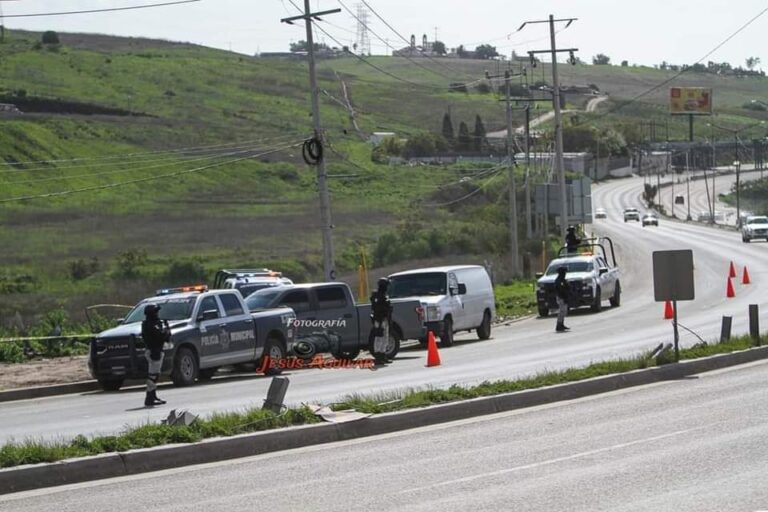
(479, 189)
(685, 69)
(110, 9)
(142, 180)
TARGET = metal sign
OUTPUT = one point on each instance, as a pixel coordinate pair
(673, 275)
(690, 100)
(579, 197)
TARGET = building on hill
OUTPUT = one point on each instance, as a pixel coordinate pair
(425, 50)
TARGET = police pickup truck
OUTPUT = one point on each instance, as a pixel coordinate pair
(591, 276)
(329, 321)
(209, 329)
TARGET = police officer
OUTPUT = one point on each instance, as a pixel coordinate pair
(571, 240)
(562, 292)
(155, 333)
(381, 317)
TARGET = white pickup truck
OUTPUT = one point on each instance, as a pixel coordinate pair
(755, 226)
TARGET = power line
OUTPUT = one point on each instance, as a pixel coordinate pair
(141, 180)
(685, 69)
(406, 40)
(90, 11)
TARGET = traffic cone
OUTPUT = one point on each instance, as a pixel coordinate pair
(745, 276)
(433, 356)
(669, 313)
(732, 271)
(729, 292)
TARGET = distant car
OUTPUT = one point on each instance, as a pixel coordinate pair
(755, 226)
(631, 214)
(679, 199)
(600, 213)
(650, 219)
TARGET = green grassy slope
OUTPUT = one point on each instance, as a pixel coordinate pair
(207, 205)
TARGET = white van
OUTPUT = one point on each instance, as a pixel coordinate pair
(455, 298)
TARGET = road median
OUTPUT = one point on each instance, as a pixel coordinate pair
(131, 462)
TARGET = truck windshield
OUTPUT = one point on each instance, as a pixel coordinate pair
(262, 298)
(757, 220)
(171, 309)
(573, 266)
(417, 285)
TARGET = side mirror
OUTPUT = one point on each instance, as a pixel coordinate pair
(603, 270)
(462, 289)
(208, 314)
(119, 321)
(539, 275)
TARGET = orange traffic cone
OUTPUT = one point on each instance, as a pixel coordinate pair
(669, 313)
(745, 276)
(729, 291)
(732, 271)
(433, 356)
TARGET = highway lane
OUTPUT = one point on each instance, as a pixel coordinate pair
(524, 348)
(694, 444)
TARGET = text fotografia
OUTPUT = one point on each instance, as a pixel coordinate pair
(315, 324)
(296, 363)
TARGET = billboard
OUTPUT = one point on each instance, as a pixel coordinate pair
(690, 100)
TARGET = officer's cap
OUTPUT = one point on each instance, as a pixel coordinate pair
(151, 308)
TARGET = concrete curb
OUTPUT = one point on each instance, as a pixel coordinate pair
(98, 467)
(43, 391)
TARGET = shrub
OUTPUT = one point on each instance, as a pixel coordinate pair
(129, 264)
(50, 37)
(186, 271)
(80, 269)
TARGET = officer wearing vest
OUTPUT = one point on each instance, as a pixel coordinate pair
(155, 333)
(381, 317)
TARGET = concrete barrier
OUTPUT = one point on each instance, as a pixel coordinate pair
(213, 450)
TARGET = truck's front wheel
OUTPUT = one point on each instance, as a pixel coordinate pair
(110, 384)
(446, 337)
(185, 368)
(275, 351)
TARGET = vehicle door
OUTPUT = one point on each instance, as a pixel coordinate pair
(298, 300)
(607, 280)
(334, 307)
(238, 339)
(211, 323)
(456, 304)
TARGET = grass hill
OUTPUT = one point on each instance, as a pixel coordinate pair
(149, 163)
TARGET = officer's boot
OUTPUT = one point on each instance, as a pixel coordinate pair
(156, 399)
(148, 400)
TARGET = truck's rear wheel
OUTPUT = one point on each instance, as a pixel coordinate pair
(543, 311)
(616, 299)
(276, 352)
(597, 304)
(185, 368)
(110, 384)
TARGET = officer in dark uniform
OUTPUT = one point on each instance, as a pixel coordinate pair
(155, 333)
(571, 240)
(381, 318)
(562, 292)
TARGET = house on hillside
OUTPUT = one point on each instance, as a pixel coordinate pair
(425, 50)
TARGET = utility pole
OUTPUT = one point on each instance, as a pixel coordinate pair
(559, 164)
(322, 177)
(688, 183)
(513, 238)
(528, 231)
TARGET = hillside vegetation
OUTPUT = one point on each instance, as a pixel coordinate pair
(139, 164)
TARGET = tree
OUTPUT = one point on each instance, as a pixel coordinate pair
(601, 59)
(752, 62)
(50, 37)
(302, 46)
(486, 51)
(464, 142)
(461, 51)
(447, 127)
(439, 47)
(624, 63)
(478, 136)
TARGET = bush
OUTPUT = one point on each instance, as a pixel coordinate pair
(80, 269)
(186, 272)
(50, 37)
(129, 264)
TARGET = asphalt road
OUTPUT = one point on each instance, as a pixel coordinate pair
(695, 444)
(524, 348)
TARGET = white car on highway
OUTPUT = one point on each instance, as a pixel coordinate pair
(755, 226)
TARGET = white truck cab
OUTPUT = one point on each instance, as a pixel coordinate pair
(454, 298)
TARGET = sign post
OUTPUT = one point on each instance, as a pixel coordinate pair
(673, 281)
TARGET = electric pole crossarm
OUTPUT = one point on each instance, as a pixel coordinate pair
(314, 15)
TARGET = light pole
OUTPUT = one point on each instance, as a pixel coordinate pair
(737, 162)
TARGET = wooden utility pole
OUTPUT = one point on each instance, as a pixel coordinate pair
(322, 177)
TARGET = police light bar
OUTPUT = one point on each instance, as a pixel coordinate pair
(183, 289)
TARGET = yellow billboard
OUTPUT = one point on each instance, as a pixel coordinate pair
(690, 100)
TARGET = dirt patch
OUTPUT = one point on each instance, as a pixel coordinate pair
(44, 372)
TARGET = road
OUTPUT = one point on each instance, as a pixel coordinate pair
(695, 444)
(521, 349)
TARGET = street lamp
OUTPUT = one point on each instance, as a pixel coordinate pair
(737, 163)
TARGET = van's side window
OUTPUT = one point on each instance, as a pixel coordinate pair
(298, 300)
(453, 283)
(332, 297)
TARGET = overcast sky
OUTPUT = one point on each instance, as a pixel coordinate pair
(644, 32)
